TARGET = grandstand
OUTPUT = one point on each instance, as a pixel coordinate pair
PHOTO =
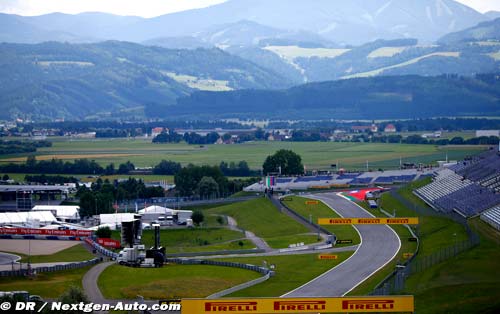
(492, 216)
(340, 180)
(467, 188)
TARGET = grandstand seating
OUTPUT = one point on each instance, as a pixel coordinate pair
(469, 201)
(284, 180)
(361, 181)
(482, 168)
(315, 178)
(445, 183)
(395, 179)
(347, 176)
(492, 216)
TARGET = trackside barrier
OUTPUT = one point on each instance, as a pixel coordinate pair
(47, 269)
(101, 249)
(323, 230)
(227, 252)
(240, 287)
(262, 270)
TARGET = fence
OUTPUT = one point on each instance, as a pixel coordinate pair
(101, 249)
(395, 282)
(46, 269)
(182, 201)
(226, 252)
(294, 213)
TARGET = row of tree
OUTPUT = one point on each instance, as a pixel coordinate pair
(18, 147)
(57, 166)
(102, 195)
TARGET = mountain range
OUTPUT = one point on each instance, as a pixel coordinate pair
(350, 22)
(63, 66)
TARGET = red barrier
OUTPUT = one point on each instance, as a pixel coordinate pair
(31, 231)
(109, 243)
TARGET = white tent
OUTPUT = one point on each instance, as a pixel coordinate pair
(61, 212)
(154, 209)
(21, 218)
(115, 219)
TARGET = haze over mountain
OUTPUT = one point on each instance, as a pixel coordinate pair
(343, 22)
(489, 31)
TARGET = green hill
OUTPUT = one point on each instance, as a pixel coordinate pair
(397, 97)
(114, 79)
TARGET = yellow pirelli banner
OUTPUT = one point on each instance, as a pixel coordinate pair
(379, 304)
(327, 256)
(312, 202)
(369, 221)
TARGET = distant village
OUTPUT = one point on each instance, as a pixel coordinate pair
(349, 131)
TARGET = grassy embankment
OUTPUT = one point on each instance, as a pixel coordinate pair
(313, 212)
(262, 218)
(46, 285)
(292, 271)
(171, 281)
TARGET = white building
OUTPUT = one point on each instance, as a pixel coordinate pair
(155, 212)
(480, 133)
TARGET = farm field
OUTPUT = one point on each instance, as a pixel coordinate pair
(315, 155)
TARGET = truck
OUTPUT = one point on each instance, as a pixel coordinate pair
(138, 256)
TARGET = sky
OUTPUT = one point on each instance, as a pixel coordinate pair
(146, 8)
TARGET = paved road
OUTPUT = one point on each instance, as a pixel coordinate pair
(7, 259)
(379, 245)
(259, 242)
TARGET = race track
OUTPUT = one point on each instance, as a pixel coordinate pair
(379, 245)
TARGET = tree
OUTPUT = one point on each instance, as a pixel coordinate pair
(167, 167)
(74, 295)
(197, 217)
(103, 232)
(457, 141)
(110, 169)
(87, 204)
(287, 161)
(208, 187)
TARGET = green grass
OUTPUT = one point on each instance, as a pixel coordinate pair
(467, 283)
(406, 247)
(170, 281)
(285, 241)
(322, 211)
(315, 154)
(75, 253)
(262, 218)
(46, 285)
(195, 239)
(291, 272)
(435, 234)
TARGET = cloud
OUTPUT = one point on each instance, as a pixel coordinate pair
(482, 5)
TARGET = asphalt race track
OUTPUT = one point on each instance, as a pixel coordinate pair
(379, 245)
